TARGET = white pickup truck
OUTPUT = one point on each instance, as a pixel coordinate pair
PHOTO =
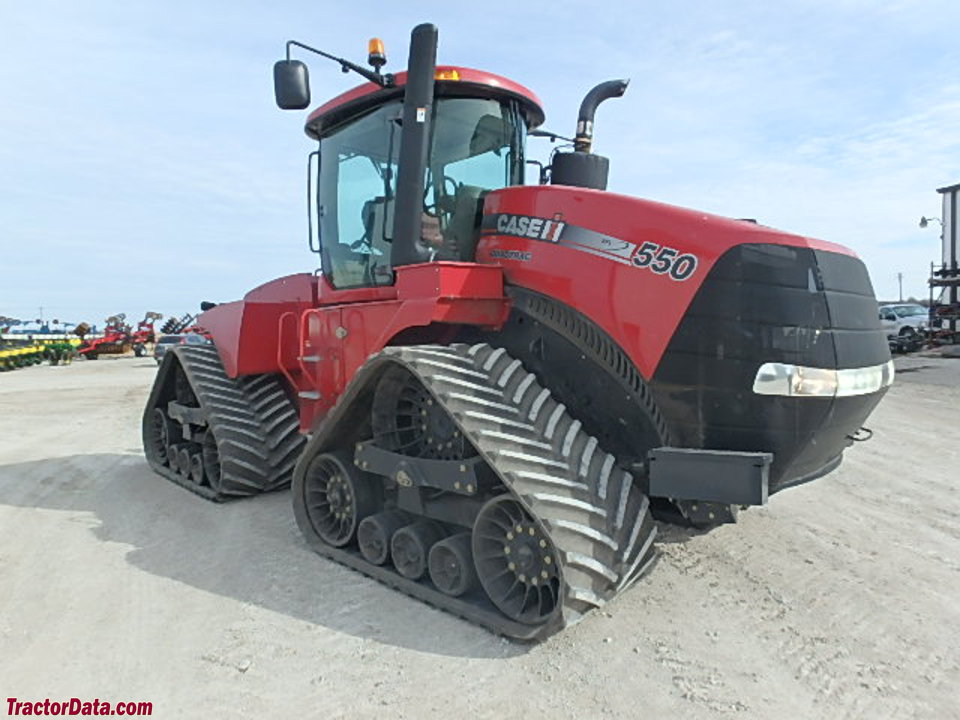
(906, 324)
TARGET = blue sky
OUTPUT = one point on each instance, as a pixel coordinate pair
(144, 166)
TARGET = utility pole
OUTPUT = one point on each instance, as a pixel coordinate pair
(900, 282)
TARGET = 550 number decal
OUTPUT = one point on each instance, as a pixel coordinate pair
(664, 260)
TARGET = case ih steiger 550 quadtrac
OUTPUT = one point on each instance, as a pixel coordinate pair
(491, 389)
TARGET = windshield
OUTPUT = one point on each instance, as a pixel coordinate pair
(907, 310)
(476, 146)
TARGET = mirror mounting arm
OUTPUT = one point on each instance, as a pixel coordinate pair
(383, 80)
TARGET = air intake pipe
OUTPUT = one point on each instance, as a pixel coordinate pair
(581, 168)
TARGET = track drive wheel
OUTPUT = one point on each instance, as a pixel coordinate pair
(407, 419)
(338, 497)
(516, 562)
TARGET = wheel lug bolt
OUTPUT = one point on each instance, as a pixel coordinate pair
(521, 577)
(543, 543)
(511, 566)
(506, 549)
(544, 574)
(547, 559)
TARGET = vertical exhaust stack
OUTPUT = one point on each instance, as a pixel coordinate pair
(414, 146)
(581, 168)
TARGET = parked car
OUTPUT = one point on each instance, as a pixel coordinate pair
(906, 324)
(168, 341)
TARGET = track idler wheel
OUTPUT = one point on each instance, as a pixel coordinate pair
(375, 532)
(410, 547)
(338, 497)
(451, 565)
(166, 433)
(516, 562)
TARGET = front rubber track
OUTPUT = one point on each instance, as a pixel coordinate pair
(594, 514)
(254, 424)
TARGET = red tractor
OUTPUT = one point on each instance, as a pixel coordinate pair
(491, 389)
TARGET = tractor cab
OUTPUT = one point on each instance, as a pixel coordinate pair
(476, 144)
(393, 169)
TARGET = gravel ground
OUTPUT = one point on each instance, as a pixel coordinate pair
(839, 599)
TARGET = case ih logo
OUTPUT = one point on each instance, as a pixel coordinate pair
(648, 255)
(526, 226)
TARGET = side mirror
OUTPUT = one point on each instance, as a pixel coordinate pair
(291, 85)
(890, 316)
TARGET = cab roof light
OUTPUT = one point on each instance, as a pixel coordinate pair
(446, 74)
(376, 55)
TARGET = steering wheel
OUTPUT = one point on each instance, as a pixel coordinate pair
(442, 204)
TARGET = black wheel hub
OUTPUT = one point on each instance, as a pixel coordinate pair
(527, 554)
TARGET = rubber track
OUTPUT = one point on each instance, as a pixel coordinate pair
(254, 423)
(598, 520)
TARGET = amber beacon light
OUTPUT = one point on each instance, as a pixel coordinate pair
(376, 55)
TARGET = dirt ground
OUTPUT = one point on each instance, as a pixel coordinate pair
(839, 599)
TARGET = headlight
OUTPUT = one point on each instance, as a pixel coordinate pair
(798, 381)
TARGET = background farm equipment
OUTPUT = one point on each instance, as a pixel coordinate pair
(145, 334)
(13, 357)
(115, 340)
(61, 352)
(174, 325)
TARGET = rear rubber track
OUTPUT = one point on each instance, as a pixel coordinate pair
(254, 424)
(597, 518)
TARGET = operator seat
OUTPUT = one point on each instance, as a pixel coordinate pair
(462, 233)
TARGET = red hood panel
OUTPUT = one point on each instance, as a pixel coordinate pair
(631, 265)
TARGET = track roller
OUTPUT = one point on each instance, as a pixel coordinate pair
(374, 533)
(184, 459)
(196, 468)
(410, 547)
(451, 565)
